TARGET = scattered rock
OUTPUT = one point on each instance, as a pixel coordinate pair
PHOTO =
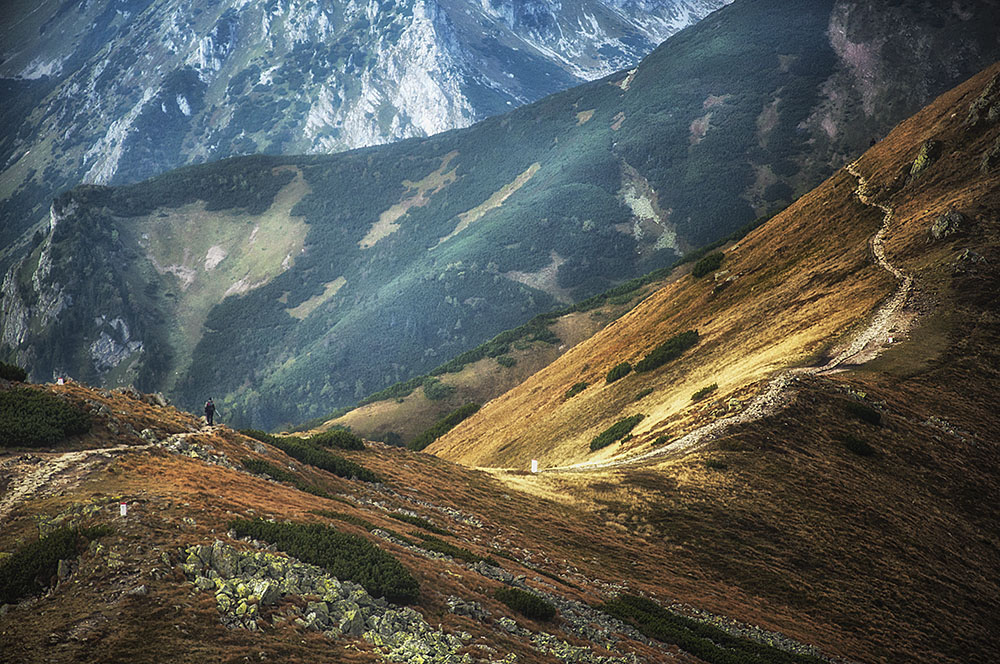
(985, 109)
(930, 150)
(64, 570)
(129, 391)
(948, 223)
(991, 158)
(968, 262)
(243, 581)
(157, 399)
(471, 609)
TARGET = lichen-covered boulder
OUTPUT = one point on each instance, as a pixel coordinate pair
(947, 224)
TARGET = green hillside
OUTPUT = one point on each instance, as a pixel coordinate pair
(286, 287)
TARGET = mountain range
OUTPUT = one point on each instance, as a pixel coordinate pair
(112, 92)
(785, 452)
(266, 281)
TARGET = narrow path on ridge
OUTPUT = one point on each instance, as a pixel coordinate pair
(778, 393)
(47, 472)
(52, 472)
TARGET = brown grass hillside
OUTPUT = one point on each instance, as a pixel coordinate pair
(794, 289)
(126, 599)
(892, 547)
(485, 379)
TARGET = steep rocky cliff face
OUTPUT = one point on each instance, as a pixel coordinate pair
(112, 92)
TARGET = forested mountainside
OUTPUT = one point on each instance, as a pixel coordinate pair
(113, 91)
(289, 286)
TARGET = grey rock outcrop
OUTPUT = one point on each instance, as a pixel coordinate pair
(947, 224)
(249, 586)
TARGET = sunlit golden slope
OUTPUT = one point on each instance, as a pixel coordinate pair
(880, 536)
(797, 288)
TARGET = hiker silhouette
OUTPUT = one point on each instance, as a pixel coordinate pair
(209, 411)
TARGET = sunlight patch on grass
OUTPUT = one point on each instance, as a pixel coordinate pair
(418, 195)
(330, 289)
(498, 198)
(214, 254)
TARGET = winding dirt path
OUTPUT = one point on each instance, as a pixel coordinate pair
(863, 347)
(37, 473)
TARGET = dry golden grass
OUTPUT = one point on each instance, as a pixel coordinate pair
(794, 288)
(478, 382)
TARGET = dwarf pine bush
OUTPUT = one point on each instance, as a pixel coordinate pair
(29, 569)
(619, 371)
(34, 418)
(309, 453)
(704, 392)
(709, 263)
(615, 432)
(342, 439)
(13, 372)
(669, 350)
(345, 556)
(703, 640)
(527, 604)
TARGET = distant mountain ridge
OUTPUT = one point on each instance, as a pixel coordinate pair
(111, 92)
(290, 286)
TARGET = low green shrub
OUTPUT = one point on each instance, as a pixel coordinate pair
(432, 543)
(308, 453)
(342, 439)
(506, 361)
(418, 522)
(34, 418)
(709, 263)
(435, 390)
(704, 392)
(257, 434)
(345, 556)
(642, 394)
(615, 432)
(13, 372)
(669, 350)
(443, 426)
(857, 445)
(576, 389)
(346, 518)
(28, 570)
(261, 467)
(619, 371)
(527, 604)
(703, 640)
(863, 412)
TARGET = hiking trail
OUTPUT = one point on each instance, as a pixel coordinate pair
(49, 473)
(862, 347)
